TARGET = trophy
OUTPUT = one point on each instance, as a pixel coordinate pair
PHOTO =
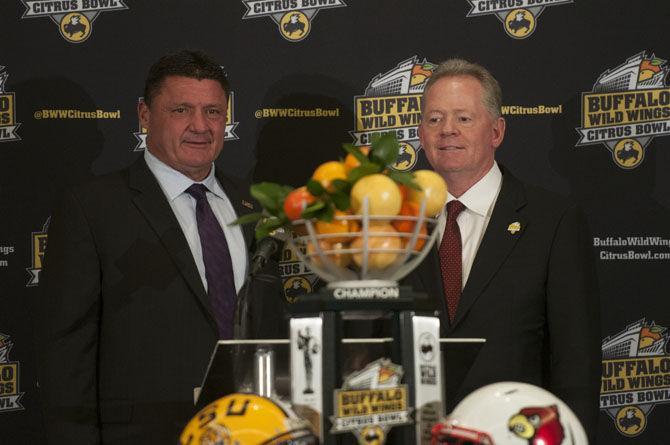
(361, 226)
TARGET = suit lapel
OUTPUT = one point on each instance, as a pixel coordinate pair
(497, 243)
(152, 204)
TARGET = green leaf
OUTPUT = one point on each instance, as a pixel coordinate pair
(267, 226)
(340, 185)
(246, 219)
(341, 200)
(314, 208)
(385, 150)
(315, 188)
(404, 178)
(270, 195)
(365, 169)
(327, 213)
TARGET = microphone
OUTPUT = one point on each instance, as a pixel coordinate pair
(266, 248)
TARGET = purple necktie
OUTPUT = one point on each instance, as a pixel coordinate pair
(218, 265)
(451, 258)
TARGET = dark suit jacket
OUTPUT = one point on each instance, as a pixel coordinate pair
(127, 325)
(533, 296)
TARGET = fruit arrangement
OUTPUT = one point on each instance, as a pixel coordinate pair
(356, 218)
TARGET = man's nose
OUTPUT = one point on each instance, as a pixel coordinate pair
(448, 127)
(198, 121)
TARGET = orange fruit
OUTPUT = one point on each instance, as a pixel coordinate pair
(381, 236)
(420, 242)
(327, 172)
(382, 192)
(404, 190)
(433, 190)
(336, 226)
(340, 259)
(350, 162)
(408, 208)
(296, 201)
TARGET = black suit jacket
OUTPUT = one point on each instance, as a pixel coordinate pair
(127, 325)
(533, 295)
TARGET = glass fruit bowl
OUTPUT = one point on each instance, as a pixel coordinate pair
(363, 249)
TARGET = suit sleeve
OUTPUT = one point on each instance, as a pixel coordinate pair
(69, 315)
(573, 318)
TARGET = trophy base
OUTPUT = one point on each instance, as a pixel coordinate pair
(361, 284)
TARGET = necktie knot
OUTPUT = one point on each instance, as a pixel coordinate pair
(454, 208)
(198, 191)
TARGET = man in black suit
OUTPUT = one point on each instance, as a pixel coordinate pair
(526, 280)
(132, 308)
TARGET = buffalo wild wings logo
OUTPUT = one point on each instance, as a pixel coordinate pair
(518, 17)
(392, 102)
(371, 396)
(538, 425)
(141, 133)
(9, 378)
(628, 106)
(293, 17)
(73, 17)
(636, 375)
(8, 124)
(39, 247)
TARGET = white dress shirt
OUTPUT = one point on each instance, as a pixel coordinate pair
(473, 220)
(174, 185)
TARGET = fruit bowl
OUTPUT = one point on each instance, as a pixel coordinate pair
(370, 250)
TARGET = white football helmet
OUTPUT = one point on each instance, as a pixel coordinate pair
(510, 413)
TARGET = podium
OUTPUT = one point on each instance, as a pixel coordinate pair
(362, 364)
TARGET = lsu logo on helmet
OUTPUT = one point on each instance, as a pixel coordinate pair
(247, 419)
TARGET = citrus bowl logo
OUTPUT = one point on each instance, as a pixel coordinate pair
(39, 242)
(635, 375)
(74, 17)
(519, 17)
(628, 106)
(293, 17)
(9, 378)
(392, 102)
(8, 124)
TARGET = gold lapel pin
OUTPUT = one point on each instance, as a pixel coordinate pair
(514, 227)
(247, 204)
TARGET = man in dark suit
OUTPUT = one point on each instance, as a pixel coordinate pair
(522, 276)
(136, 296)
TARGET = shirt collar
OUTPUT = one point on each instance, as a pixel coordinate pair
(174, 183)
(480, 197)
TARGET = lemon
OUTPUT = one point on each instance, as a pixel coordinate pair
(433, 190)
(383, 195)
(327, 172)
(381, 236)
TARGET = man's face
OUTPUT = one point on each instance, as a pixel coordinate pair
(186, 124)
(457, 132)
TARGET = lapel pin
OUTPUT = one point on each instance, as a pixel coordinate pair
(247, 204)
(514, 227)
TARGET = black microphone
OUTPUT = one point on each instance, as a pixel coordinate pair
(266, 248)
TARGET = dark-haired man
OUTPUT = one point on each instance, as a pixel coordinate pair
(514, 264)
(142, 271)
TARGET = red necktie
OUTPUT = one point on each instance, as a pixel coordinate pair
(451, 258)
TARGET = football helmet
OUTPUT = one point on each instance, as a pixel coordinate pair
(247, 419)
(510, 413)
